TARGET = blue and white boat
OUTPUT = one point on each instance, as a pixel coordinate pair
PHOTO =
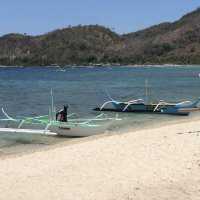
(163, 107)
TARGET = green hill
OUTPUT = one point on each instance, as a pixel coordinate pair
(177, 42)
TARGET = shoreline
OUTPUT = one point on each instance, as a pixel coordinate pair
(74, 141)
(104, 66)
(158, 163)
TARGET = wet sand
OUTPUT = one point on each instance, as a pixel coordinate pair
(157, 163)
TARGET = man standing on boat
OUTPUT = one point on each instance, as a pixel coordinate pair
(62, 114)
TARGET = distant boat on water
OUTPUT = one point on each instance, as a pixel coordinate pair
(139, 105)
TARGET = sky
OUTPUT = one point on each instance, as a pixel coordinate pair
(36, 17)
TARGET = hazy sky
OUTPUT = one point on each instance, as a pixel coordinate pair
(41, 16)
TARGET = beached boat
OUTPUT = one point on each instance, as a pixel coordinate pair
(74, 127)
(49, 124)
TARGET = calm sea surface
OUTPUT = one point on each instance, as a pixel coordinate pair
(26, 92)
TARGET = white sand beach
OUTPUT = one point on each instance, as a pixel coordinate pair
(160, 163)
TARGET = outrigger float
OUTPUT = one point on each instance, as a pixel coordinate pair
(50, 125)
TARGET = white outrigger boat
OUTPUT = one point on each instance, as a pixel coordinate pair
(74, 127)
(49, 125)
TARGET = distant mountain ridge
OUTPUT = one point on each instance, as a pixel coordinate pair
(177, 43)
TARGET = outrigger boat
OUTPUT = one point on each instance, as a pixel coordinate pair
(50, 125)
(74, 127)
(139, 105)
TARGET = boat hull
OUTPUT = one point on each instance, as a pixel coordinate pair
(146, 108)
(79, 131)
(69, 129)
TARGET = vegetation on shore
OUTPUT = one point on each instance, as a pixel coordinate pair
(177, 42)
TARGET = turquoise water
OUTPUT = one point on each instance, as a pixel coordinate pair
(26, 92)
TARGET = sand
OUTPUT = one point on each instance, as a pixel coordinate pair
(154, 164)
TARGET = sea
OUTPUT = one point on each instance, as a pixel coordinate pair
(26, 92)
